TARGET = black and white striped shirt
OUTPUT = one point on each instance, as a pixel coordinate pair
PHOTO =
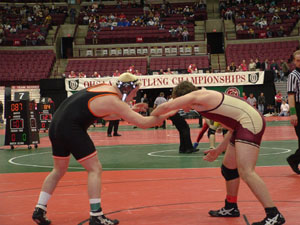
(293, 84)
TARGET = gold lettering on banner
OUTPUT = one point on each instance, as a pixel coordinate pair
(90, 83)
(155, 81)
(170, 81)
(196, 80)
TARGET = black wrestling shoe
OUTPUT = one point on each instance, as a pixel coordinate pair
(233, 212)
(117, 135)
(109, 135)
(278, 219)
(189, 151)
(294, 163)
(102, 220)
(230, 210)
(39, 216)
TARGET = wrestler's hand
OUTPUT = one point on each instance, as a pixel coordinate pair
(294, 120)
(211, 155)
(140, 107)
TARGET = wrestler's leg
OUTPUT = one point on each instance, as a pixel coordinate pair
(211, 136)
(246, 156)
(229, 172)
(59, 169)
(229, 161)
(94, 169)
(246, 160)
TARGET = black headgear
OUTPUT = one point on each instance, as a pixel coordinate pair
(126, 88)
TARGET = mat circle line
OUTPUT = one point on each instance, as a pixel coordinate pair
(153, 154)
(11, 160)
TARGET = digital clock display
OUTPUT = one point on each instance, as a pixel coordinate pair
(32, 123)
(16, 107)
(46, 106)
(42, 106)
(18, 137)
(16, 124)
(44, 116)
(21, 126)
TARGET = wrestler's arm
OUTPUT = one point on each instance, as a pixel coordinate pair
(112, 117)
(126, 113)
(175, 104)
(213, 154)
(223, 145)
(139, 107)
(111, 105)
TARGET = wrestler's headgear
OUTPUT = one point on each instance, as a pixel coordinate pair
(126, 83)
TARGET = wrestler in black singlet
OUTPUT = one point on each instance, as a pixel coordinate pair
(68, 129)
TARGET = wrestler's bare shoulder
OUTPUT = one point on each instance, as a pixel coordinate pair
(104, 88)
(104, 104)
(206, 99)
(208, 94)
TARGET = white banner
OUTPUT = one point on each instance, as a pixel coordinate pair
(170, 81)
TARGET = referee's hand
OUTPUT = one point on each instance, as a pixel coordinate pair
(294, 120)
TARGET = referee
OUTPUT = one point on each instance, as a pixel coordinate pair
(293, 89)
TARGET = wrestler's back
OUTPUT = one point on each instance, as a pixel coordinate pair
(232, 111)
(75, 111)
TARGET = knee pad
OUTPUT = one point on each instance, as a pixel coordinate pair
(210, 132)
(229, 174)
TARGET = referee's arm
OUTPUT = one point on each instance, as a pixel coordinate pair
(291, 98)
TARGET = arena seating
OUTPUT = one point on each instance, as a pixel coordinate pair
(34, 1)
(106, 67)
(287, 24)
(132, 12)
(27, 65)
(270, 50)
(129, 12)
(242, 13)
(148, 34)
(130, 35)
(14, 17)
(178, 63)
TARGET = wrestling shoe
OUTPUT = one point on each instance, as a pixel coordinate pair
(293, 162)
(223, 212)
(39, 216)
(102, 220)
(230, 210)
(188, 151)
(191, 150)
(278, 219)
(195, 145)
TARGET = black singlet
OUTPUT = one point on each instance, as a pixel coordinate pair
(68, 129)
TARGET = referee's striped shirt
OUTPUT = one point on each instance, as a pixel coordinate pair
(293, 84)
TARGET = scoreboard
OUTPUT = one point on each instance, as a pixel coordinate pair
(45, 113)
(21, 124)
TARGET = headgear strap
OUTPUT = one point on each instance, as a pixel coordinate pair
(126, 88)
